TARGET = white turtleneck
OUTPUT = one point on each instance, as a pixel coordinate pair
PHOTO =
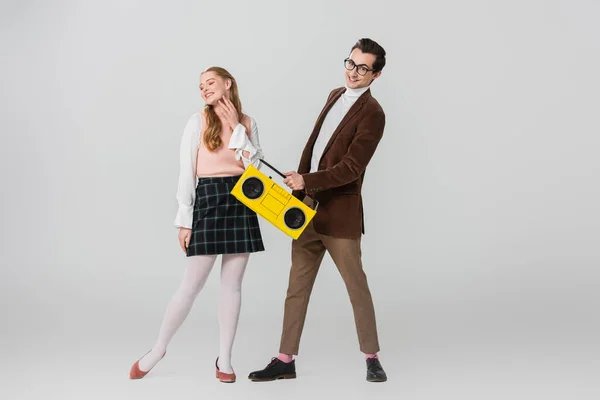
(331, 122)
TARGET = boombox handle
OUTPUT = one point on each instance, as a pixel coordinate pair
(283, 176)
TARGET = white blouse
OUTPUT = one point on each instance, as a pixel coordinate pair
(186, 187)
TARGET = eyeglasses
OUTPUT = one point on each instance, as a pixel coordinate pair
(361, 69)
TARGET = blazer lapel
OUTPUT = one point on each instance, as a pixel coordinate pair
(307, 154)
(351, 112)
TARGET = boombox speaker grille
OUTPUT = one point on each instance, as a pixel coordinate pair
(294, 218)
(253, 188)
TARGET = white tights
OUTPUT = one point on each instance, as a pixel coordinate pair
(195, 276)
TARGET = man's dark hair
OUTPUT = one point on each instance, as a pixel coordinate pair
(372, 47)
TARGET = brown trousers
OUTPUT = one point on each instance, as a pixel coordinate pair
(307, 254)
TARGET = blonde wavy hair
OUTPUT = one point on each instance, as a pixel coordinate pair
(212, 134)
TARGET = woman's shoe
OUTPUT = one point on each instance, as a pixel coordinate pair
(136, 373)
(222, 376)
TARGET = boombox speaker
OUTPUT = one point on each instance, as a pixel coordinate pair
(272, 202)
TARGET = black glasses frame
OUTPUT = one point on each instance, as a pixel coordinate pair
(349, 62)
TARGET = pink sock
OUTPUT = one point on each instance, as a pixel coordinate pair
(286, 358)
(371, 356)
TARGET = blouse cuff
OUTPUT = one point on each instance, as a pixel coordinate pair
(240, 142)
(184, 217)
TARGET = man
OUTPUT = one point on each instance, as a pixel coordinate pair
(331, 171)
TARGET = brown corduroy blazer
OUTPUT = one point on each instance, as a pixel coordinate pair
(337, 184)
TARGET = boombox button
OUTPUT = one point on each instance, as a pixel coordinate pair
(282, 191)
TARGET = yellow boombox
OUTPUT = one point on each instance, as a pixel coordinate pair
(269, 200)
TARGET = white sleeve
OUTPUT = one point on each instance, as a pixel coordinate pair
(241, 141)
(186, 187)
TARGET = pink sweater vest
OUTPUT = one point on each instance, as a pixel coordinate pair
(222, 161)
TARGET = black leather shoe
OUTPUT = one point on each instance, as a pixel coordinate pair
(276, 369)
(375, 372)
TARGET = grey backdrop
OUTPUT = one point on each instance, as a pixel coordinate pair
(481, 203)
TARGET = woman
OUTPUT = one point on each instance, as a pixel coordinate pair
(218, 144)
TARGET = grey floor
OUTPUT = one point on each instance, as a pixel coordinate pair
(87, 355)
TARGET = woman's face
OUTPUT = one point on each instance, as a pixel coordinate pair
(213, 87)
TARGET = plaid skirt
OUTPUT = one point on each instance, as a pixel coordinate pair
(221, 223)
